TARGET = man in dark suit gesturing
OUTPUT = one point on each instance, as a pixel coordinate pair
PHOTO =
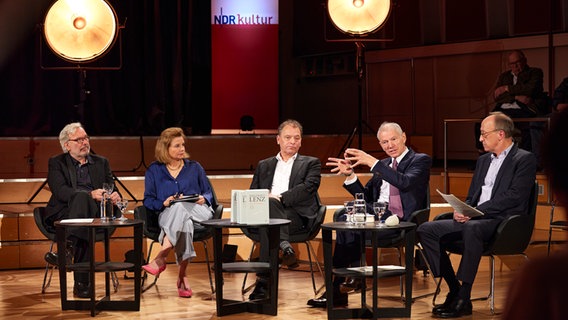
(401, 179)
(75, 179)
(500, 187)
(293, 181)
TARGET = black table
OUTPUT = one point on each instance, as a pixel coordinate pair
(366, 311)
(268, 264)
(106, 266)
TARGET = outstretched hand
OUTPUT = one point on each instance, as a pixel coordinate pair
(340, 166)
(358, 157)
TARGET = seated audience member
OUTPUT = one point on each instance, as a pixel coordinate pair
(293, 181)
(560, 97)
(500, 187)
(168, 178)
(76, 179)
(409, 179)
(519, 93)
(539, 289)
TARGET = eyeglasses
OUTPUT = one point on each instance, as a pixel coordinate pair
(486, 134)
(80, 140)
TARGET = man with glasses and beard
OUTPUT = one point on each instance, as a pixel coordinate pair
(76, 179)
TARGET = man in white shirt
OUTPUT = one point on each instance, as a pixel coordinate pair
(293, 181)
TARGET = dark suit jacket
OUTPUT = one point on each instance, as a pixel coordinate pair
(513, 184)
(529, 83)
(62, 181)
(303, 187)
(411, 178)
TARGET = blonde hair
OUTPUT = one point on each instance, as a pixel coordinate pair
(166, 137)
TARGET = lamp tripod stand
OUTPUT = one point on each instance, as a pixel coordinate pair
(80, 33)
(358, 127)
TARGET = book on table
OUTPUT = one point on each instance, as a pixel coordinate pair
(249, 206)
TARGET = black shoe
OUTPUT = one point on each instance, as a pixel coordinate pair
(447, 303)
(351, 284)
(338, 301)
(458, 308)
(260, 291)
(289, 258)
(82, 290)
(53, 259)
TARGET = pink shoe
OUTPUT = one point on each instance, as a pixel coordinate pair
(183, 292)
(155, 272)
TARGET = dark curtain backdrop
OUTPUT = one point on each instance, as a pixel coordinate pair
(164, 77)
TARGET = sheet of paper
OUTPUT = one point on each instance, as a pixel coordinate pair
(460, 206)
(369, 269)
(81, 220)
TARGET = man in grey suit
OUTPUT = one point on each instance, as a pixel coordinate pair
(293, 181)
(75, 179)
(500, 187)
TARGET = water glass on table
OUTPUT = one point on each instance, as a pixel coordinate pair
(122, 204)
(348, 211)
(380, 208)
(106, 212)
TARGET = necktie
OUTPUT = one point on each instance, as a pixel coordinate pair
(395, 205)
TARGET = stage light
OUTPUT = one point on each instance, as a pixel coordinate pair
(80, 30)
(358, 17)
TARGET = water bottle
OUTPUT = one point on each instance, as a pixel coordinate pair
(104, 217)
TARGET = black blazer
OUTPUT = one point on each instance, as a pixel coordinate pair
(303, 187)
(62, 181)
(412, 177)
(513, 184)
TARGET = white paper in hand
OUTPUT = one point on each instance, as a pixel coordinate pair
(460, 206)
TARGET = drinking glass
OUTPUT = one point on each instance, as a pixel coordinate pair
(122, 204)
(108, 188)
(349, 210)
(379, 208)
(106, 213)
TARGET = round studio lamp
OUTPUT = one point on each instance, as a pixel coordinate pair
(80, 30)
(358, 17)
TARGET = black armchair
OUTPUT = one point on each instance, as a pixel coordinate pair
(49, 233)
(512, 237)
(152, 231)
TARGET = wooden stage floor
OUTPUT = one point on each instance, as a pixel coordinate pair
(21, 298)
